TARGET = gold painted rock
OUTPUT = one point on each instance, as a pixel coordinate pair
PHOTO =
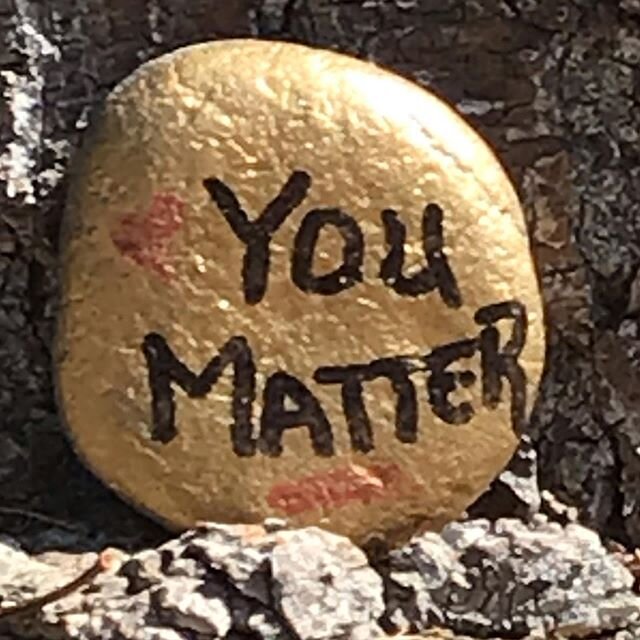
(295, 285)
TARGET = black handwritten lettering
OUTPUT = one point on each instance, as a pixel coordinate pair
(498, 364)
(165, 369)
(443, 382)
(257, 235)
(276, 418)
(345, 276)
(352, 377)
(436, 274)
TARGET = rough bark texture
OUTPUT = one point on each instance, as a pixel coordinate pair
(554, 85)
(238, 581)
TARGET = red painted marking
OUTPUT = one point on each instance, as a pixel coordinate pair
(337, 487)
(145, 239)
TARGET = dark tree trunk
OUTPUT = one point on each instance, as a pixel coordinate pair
(553, 84)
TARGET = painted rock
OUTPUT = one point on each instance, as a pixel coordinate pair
(294, 285)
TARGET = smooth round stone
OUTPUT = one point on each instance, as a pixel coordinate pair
(295, 286)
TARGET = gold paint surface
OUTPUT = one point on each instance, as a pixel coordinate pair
(250, 113)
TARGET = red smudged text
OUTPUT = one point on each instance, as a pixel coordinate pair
(337, 487)
(145, 238)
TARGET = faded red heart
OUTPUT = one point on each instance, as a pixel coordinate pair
(145, 238)
(337, 487)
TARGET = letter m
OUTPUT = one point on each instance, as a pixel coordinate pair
(165, 370)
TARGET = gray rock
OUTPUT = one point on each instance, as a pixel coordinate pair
(215, 582)
(181, 603)
(23, 577)
(326, 587)
(510, 578)
(242, 553)
(515, 492)
(476, 577)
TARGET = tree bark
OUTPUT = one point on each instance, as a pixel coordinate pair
(554, 85)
